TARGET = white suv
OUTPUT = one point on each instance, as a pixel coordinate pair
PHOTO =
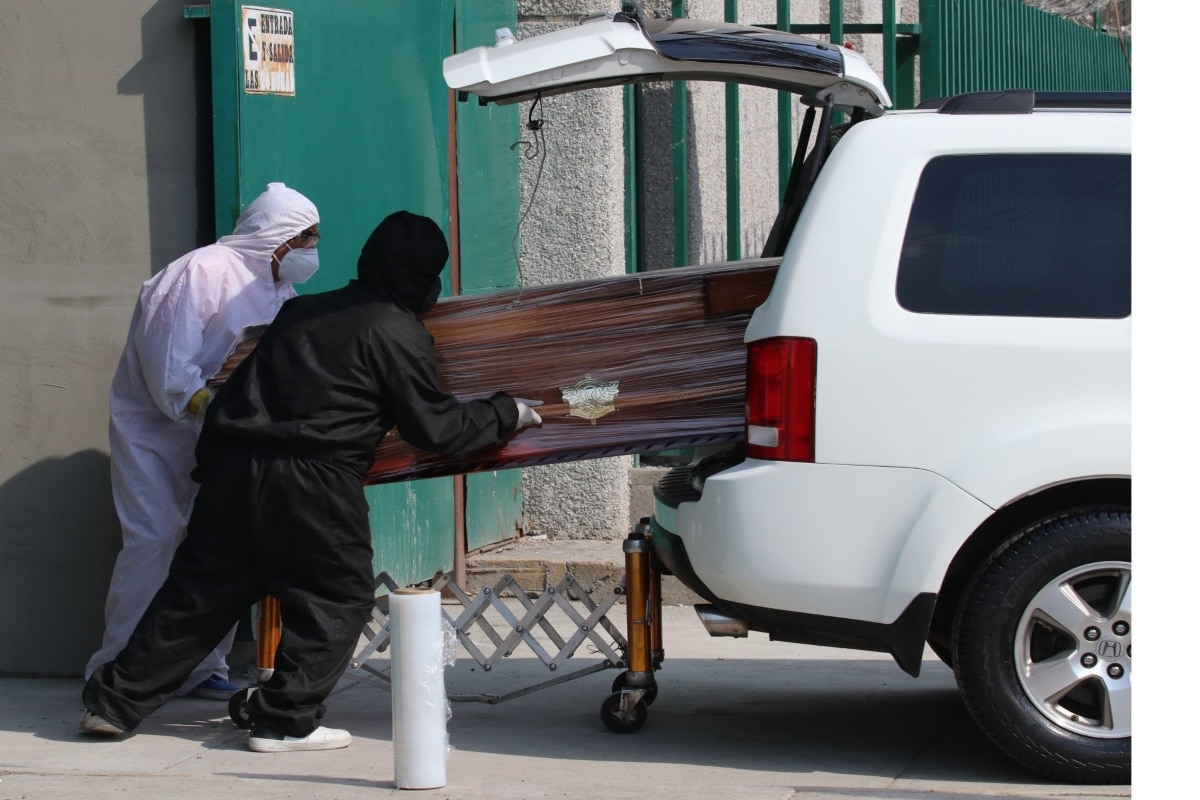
(938, 422)
(937, 445)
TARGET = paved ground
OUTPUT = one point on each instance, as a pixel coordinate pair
(733, 719)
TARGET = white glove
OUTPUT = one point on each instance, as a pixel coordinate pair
(526, 416)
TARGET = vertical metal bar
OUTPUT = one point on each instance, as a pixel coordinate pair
(956, 68)
(733, 159)
(1002, 48)
(733, 181)
(633, 188)
(1009, 54)
(459, 567)
(953, 66)
(889, 48)
(638, 612)
(783, 22)
(973, 60)
(269, 632)
(226, 123)
(452, 187)
(945, 49)
(958, 79)
(954, 74)
(983, 51)
(679, 148)
(1030, 74)
(1049, 37)
(975, 55)
(1045, 39)
(657, 653)
(906, 54)
(836, 37)
(931, 44)
(1023, 72)
(634, 251)
(1068, 47)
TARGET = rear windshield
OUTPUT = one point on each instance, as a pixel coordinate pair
(1019, 235)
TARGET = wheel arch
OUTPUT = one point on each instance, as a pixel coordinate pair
(1003, 525)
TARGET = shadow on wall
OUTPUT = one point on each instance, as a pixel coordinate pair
(59, 537)
(174, 78)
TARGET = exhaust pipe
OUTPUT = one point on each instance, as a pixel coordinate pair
(718, 624)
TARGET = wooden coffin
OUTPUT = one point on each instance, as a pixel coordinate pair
(623, 365)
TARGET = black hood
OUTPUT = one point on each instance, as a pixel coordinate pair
(402, 260)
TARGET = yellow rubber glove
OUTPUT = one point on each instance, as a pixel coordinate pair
(200, 400)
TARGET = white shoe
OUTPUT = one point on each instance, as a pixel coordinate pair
(267, 740)
(94, 723)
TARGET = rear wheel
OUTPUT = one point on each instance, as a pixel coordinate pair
(237, 707)
(1043, 646)
(619, 721)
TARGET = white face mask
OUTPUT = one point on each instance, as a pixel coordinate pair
(298, 265)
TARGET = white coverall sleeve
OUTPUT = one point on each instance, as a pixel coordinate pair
(170, 341)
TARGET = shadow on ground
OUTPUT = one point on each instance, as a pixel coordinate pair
(857, 718)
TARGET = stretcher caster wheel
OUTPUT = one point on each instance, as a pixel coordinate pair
(237, 707)
(619, 721)
(622, 682)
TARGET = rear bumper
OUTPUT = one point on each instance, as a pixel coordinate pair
(904, 638)
(840, 542)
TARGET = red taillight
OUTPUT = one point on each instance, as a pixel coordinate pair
(781, 384)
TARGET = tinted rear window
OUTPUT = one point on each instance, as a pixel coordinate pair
(1019, 236)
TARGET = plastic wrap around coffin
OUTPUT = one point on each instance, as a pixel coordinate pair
(670, 341)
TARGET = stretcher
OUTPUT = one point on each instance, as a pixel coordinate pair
(638, 652)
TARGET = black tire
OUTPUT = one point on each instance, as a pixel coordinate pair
(622, 681)
(1042, 646)
(237, 708)
(610, 715)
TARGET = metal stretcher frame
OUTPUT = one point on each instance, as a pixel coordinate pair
(639, 651)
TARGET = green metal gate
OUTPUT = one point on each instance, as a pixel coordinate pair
(361, 124)
(488, 208)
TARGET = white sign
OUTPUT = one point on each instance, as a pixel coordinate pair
(268, 51)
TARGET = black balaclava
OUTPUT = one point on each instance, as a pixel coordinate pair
(402, 260)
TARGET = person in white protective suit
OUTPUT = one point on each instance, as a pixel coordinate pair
(186, 320)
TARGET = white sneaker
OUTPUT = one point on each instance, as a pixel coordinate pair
(265, 739)
(94, 723)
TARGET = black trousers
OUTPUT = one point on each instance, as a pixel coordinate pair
(262, 524)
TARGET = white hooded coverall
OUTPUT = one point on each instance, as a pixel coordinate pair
(187, 318)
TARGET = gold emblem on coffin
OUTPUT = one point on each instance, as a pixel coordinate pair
(590, 398)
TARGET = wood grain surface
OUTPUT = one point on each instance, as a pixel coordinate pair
(672, 340)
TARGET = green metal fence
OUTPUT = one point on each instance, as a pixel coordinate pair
(982, 45)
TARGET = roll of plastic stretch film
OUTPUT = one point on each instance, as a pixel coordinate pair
(419, 737)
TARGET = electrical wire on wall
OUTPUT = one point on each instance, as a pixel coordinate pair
(534, 147)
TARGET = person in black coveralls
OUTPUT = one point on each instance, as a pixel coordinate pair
(281, 510)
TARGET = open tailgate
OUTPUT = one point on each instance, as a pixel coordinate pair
(621, 48)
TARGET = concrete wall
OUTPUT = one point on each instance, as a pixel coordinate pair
(97, 189)
(574, 229)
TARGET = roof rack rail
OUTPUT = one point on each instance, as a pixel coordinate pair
(1024, 101)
